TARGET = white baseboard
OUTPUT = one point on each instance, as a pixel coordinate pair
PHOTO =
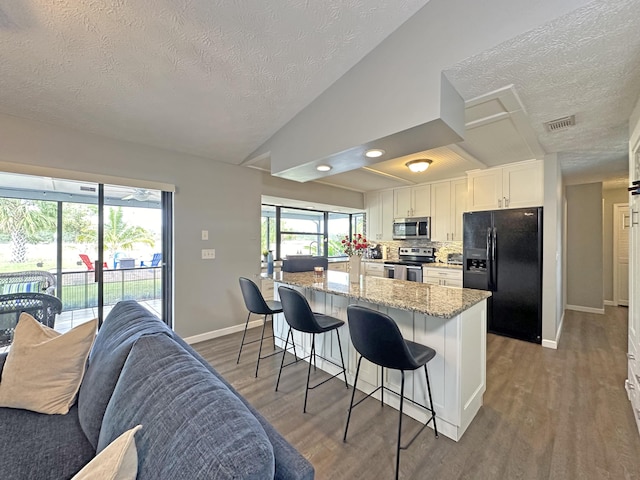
(579, 308)
(221, 333)
(554, 343)
(610, 303)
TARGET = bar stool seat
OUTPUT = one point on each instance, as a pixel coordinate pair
(256, 304)
(299, 316)
(376, 337)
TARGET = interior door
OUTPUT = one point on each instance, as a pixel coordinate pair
(621, 225)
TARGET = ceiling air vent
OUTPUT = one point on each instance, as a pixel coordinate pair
(560, 123)
(87, 189)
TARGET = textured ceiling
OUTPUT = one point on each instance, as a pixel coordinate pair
(586, 63)
(210, 77)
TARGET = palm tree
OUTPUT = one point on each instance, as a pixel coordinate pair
(22, 220)
(120, 236)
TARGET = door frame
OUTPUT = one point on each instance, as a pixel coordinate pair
(617, 207)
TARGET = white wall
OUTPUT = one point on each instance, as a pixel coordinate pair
(552, 249)
(584, 247)
(221, 198)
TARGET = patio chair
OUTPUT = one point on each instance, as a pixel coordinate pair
(38, 281)
(157, 258)
(41, 306)
(88, 263)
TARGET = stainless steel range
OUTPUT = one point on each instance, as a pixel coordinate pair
(411, 260)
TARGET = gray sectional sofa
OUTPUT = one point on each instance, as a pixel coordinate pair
(194, 424)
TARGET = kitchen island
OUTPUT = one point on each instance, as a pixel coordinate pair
(450, 320)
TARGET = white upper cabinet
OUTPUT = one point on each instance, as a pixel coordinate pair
(412, 201)
(458, 207)
(379, 207)
(512, 186)
(448, 203)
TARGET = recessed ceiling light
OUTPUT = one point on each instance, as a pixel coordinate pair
(374, 153)
(323, 168)
(418, 166)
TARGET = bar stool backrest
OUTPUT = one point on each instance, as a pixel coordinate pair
(253, 299)
(377, 338)
(297, 311)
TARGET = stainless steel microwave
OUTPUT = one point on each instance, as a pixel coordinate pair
(415, 227)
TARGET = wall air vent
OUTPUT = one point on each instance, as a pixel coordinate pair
(87, 189)
(560, 123)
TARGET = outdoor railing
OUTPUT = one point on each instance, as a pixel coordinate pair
(79, 290)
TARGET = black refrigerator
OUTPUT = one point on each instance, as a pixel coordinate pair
(502, 253)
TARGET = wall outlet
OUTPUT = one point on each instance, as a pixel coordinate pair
(208, 253)
(205, 234)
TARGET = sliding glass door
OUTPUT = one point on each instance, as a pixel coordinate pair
(103, 243)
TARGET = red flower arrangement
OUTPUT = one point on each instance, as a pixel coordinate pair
(356, 246)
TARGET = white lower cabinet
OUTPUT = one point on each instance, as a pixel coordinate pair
(373, 269)
(457, 373)
(338, 266)
(442, 276)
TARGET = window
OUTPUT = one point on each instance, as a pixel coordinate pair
(301, 232)
(337, 231)
(295, 231)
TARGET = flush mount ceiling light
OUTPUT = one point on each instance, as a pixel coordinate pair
(323, 168)
(418, 166)
(374, 153)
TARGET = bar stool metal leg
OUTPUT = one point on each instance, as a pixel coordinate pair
(344, 370)
(264, 325)
(243, 335)
(353, 394)
(400, 424)
(286, 343)
(433, 412)
(313, 356)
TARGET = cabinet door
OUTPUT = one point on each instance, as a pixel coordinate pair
(441, 212)
(402, 202)
(458, 207)
(485, 190)
(522, 185)
(386, 215)
(374, 226)
(421, 201)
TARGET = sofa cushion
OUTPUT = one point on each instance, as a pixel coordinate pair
(46, 447)
(119, 461)
(290, 464)
(44, 368)
(193, 425)
(126, 322)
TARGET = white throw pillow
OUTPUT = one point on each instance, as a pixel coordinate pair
(44, 368)
(119, 461)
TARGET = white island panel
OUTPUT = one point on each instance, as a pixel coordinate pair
(458, 371)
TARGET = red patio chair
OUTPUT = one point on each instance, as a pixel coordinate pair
(89, 263)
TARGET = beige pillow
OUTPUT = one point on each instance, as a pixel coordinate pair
(119, 461)
(44, 368)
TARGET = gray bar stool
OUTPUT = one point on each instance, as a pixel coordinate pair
(299, 316)
(377, 338)
(255, 303)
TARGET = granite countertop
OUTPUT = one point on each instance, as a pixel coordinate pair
(433, 300)
(449, 266)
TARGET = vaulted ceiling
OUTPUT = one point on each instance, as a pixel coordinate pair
(219, 78)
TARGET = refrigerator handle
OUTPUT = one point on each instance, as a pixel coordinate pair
(494, 267)
(489, 266)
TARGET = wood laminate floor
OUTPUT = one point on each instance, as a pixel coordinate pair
(548, 414)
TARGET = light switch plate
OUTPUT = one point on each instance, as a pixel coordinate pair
(208, 253)
(205, 234)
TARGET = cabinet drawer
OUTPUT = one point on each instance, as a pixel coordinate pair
(338, 266)
(443, 273)
(374, 269)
